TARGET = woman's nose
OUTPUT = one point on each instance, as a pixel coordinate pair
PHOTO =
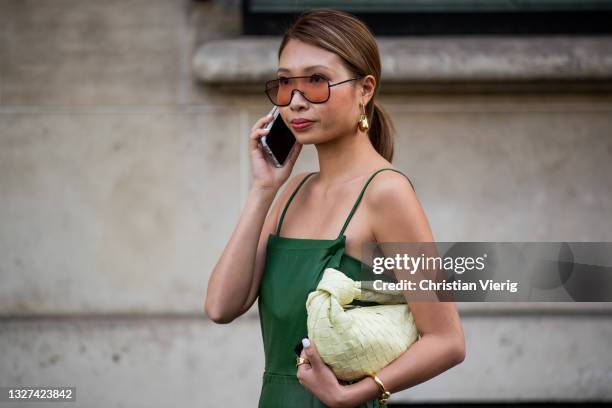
(299, 100)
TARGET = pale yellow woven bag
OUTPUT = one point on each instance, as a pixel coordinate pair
(357, 341)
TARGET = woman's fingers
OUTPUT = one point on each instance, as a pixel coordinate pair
(264, 120)
(254, 138)
(306, 365)
(312, 354)
(258, 133)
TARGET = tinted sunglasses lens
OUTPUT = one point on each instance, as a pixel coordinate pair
(315, 89)
(272, 91)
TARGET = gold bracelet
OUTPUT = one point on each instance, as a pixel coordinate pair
(384, 394)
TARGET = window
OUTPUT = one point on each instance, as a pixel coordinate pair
(436, 17)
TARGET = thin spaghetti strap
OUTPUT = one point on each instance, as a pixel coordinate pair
(348, 219)
(280, 222)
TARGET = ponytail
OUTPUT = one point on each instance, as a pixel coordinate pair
(381, 131)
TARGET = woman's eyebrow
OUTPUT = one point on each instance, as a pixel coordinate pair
(305, 69)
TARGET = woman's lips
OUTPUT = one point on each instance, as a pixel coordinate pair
(301, 125)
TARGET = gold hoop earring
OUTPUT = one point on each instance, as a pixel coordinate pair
(363, 121)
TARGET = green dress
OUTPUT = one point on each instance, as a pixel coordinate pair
(292, 270)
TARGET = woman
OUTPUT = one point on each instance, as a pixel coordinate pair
(333, 50)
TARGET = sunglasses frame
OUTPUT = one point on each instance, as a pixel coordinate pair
(329, 85)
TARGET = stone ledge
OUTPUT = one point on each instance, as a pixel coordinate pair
(467, 309)
(248, 61)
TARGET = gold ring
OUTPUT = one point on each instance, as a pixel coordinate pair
(301, 360)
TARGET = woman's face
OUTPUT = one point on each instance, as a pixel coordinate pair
(334, 118)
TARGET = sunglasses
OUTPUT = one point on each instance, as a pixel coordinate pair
(314, 88)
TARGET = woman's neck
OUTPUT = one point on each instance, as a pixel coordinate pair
(347, 157)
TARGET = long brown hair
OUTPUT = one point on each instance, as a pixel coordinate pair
(345, 35)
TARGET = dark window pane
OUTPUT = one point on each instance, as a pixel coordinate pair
(435, 17)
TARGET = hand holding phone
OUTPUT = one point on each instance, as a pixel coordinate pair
(271, 163)
(279, 140)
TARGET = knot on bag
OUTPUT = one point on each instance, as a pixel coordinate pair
(339, 286)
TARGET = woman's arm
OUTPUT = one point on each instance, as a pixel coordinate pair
(234, 283)
(231, 280)
(397, 216)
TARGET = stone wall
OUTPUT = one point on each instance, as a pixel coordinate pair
(122, 176)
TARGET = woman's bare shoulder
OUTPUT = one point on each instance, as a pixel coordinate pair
(389, 185)
(395, 211)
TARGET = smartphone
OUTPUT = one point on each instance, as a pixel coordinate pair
(279, 141)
